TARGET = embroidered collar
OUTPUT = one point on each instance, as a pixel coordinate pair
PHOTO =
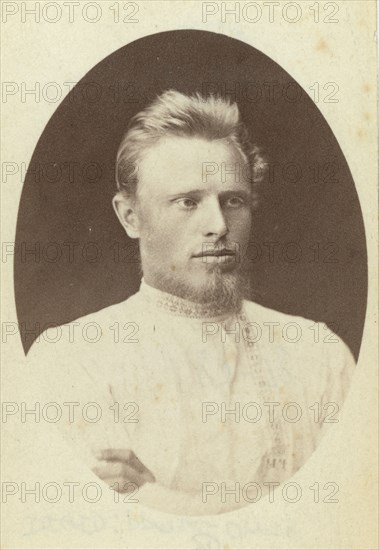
(182, 307)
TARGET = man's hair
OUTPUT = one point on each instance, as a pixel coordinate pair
(175, 114)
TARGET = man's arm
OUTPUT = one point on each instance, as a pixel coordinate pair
(88, 424)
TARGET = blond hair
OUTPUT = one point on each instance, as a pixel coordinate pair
(174, 113)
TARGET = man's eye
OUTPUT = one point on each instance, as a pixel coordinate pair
(186, 203)
(235, 202)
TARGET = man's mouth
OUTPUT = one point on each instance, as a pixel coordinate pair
(221, 252)
(217, 256)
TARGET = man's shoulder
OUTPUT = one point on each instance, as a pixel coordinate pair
(118, 312)
(262, 313)
(309, 334)
(88, 334)
(297, 336)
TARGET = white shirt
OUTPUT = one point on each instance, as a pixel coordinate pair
(180, 370)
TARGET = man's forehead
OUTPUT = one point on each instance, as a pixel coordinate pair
(181, 162)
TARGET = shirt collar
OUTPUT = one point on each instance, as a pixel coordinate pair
(181, 307)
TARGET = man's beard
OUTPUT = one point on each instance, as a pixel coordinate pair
(226, 290)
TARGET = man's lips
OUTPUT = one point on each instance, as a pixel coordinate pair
(220, 252)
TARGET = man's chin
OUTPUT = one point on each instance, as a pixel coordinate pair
(222, 284)
(218, 285)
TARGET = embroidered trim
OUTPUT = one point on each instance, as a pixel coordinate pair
(265, 383)
(180, 306)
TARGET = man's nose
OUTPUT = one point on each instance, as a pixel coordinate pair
(214, 223)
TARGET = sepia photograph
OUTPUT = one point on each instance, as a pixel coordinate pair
(190, 279)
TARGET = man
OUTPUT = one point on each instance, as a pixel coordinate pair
(216, 392)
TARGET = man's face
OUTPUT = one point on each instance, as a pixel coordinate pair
(194, 216)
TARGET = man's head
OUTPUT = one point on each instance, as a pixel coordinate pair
(187, 176)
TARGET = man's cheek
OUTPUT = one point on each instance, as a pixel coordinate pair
(242, 230)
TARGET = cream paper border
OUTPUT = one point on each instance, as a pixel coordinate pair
(343, 52)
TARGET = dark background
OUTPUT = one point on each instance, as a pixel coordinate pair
(70, 183)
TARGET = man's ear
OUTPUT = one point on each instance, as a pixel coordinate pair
(125, 209)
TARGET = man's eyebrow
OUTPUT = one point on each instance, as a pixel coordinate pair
(222, 194)
(193, 192)
(235, 192)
